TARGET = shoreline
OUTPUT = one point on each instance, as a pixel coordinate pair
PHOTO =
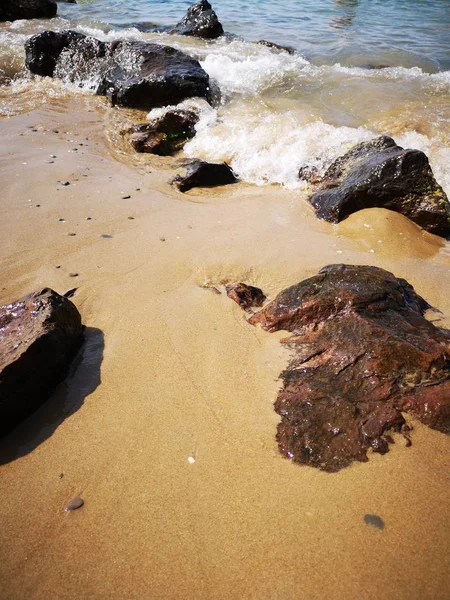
(171, 371)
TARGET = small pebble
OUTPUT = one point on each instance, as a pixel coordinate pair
(52, 155)
(191, 460)
(88, 218)
(374, 521)
(126, 197)
(106, 235)
(74, 504)
(50, 162)
(131, 218)
(62, 220)
(73, 274)
(65, 182)
(162, 239)
(61, 475)
(72, 234)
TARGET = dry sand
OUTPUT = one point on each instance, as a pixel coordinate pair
(172, 370)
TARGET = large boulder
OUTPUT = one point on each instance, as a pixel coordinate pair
(39, 336)
(362, 355)
(200, 21)
(130, 73)
(12, 10)
(381, 174)
(165, 135)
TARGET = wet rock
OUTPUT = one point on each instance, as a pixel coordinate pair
(381, 174)
(130, 73)
(274, 46)
(247, 296)
(74, 504)
(203, 174)
(200, 21)
(362, 355)
(39, 336)
(12, 10)
(165, 135)
(310, 174)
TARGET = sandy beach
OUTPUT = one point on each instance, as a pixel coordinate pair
(171, 371)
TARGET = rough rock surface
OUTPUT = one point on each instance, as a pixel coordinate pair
(12, 10)
(204, 174)
(381, 174)
(247, 296)
(130, 73)
(165, 135)
(200, 21)
(362, 354)
(39, 336)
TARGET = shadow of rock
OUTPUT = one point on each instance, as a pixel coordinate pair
(68, 397)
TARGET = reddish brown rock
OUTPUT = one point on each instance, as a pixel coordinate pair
(362, 354)
(39, 336)
(247, 296)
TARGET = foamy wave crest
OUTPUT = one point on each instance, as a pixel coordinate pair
(237, 69)
(270, 148)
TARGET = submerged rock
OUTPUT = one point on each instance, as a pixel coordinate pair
(362, 354)
(130, 73)
(13, 10)
(39, 336)
(381, 174)
(274, 46)
(165, 135)
(247, 296)
(200, 21)
(204, 174)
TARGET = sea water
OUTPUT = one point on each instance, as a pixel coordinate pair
(358, 68)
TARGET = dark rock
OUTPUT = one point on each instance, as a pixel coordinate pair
(310, 174)
(200, 21)
(363, 354)
(203, 174)
(245, 295)
(380, 173)
(374, 521)
(74, 504)
(12, 10)
(39, 336)
(274, 46)
(165, 135)
(130, 73)
(44, 49)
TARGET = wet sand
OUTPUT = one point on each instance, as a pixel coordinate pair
(171, 370)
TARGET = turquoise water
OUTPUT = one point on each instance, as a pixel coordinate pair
(351, 32)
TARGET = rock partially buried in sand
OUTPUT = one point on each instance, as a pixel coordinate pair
(130, 73)
(39, 336)
(200, 21)
(247, 296)
(204, 174)
(381, 174)
(165, 135)
(13, 10)
(362, 354)
(74, 504)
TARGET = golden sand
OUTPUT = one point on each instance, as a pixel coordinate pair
(165, 427)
